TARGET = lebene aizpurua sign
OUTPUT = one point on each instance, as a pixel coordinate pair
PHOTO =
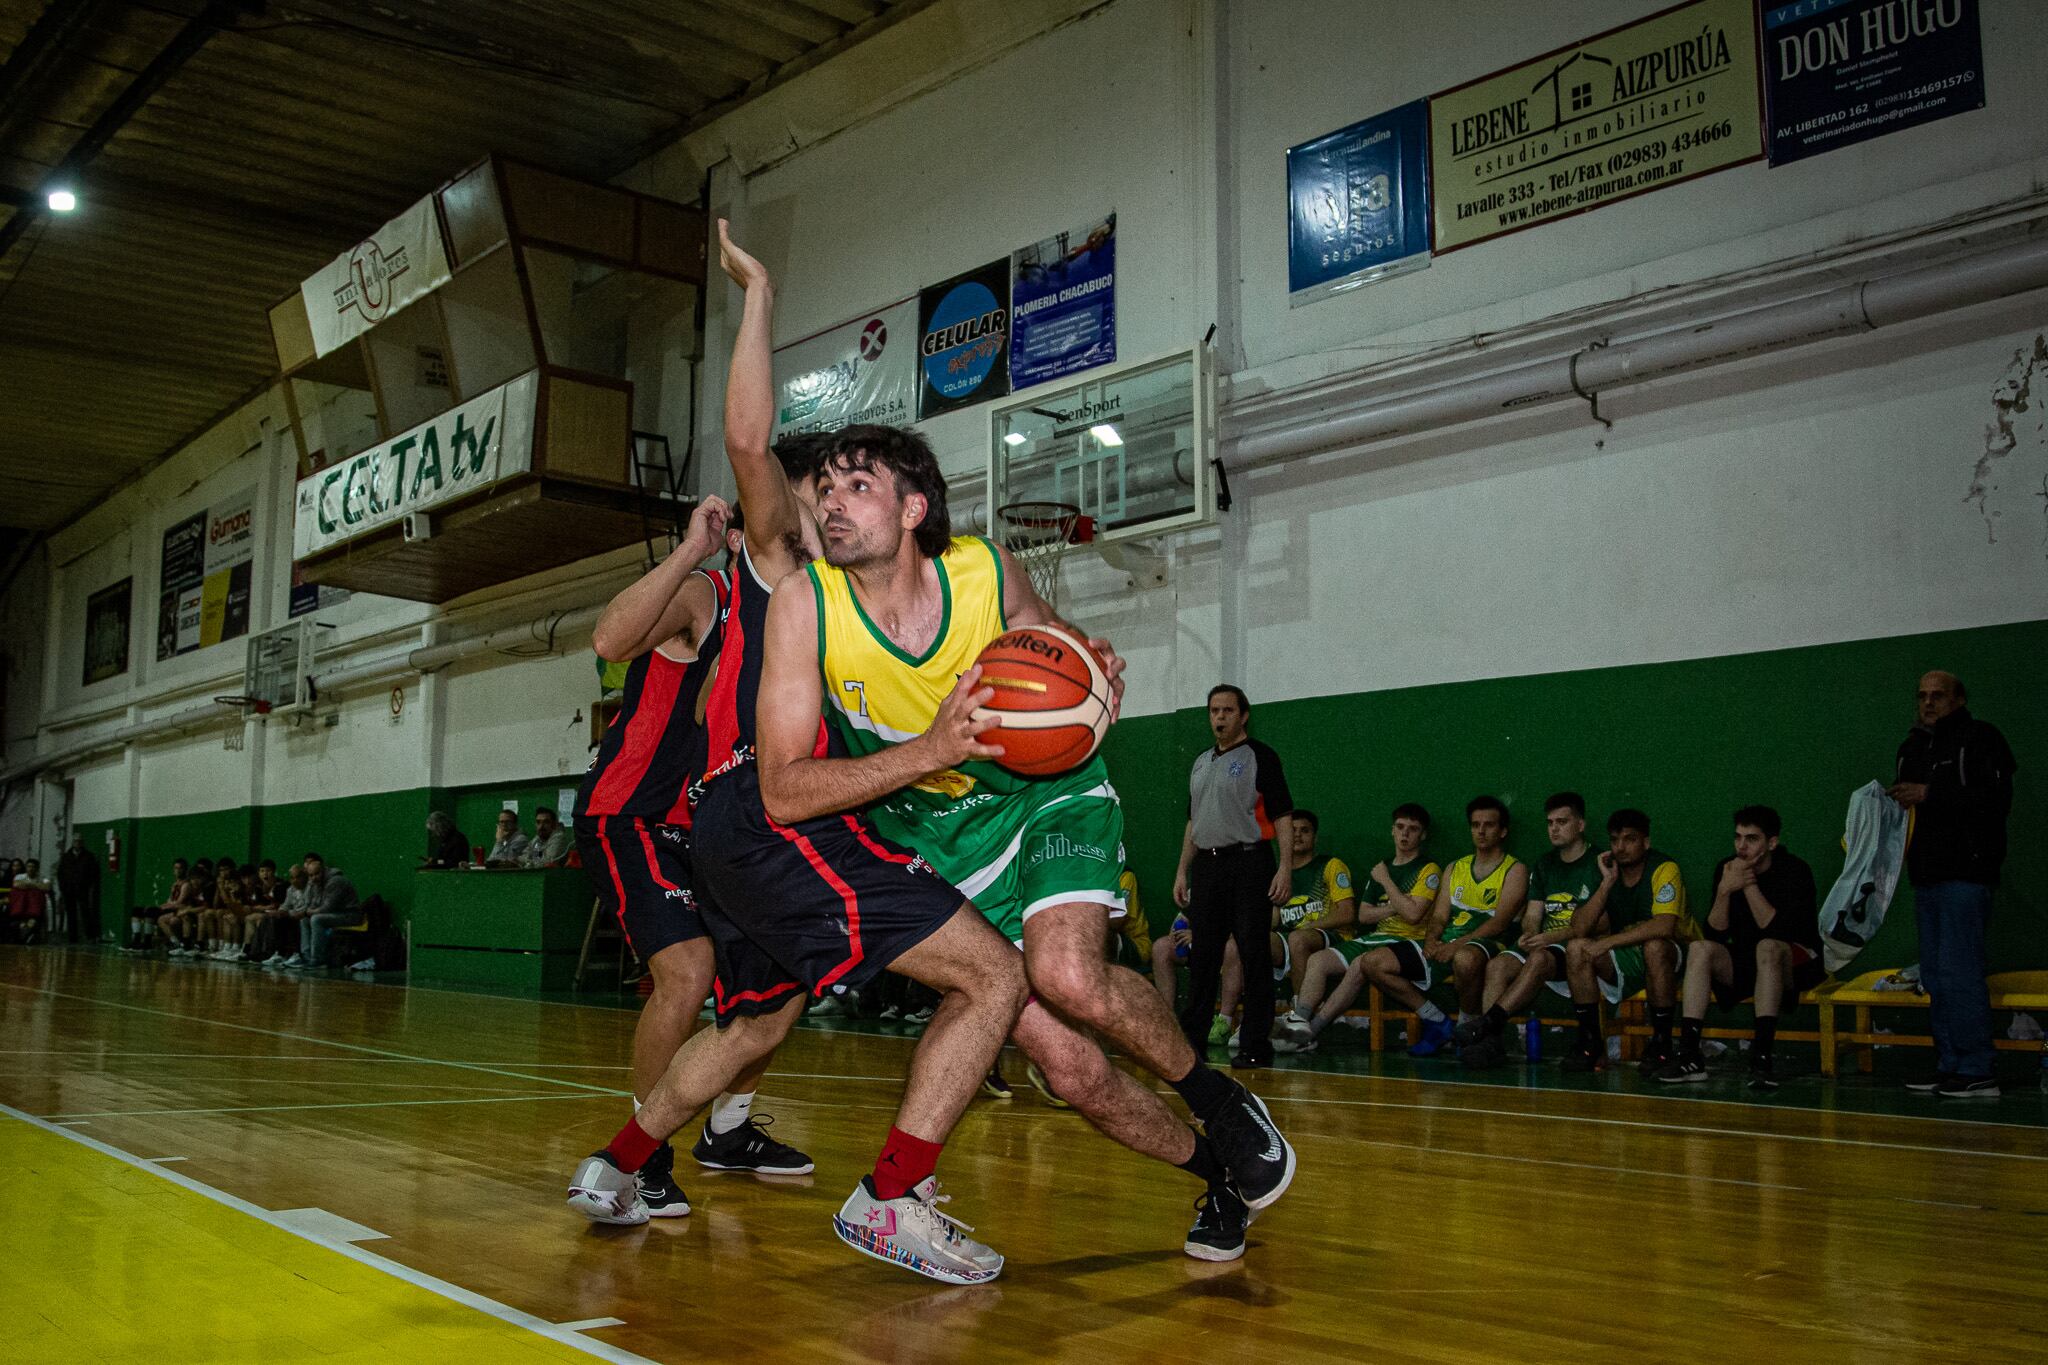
(1622, 113)
(487, 439)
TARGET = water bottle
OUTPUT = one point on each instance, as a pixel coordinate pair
(1180, 926)
(1532, 1036)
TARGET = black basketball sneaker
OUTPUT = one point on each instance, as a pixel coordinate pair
(1220, 1221)
(658, 1189)
(749, 1148)
(1260, 1161)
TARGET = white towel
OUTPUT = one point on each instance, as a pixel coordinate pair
(1875, 842)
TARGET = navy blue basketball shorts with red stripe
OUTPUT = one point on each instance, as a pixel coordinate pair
(822, 905)
(640, 869)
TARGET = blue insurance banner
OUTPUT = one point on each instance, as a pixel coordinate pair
(1839, 72)
(1358, 203)
(1063, 304)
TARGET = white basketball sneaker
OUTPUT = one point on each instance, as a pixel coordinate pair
(912, 1233)
(603, 1193)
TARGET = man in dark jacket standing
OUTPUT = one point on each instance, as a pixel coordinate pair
(1955, 773)
(78, 884)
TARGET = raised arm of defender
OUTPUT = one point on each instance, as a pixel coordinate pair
(797, 785)
(774, 515)
(666, 603)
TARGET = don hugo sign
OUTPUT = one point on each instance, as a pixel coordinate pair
(484, 441)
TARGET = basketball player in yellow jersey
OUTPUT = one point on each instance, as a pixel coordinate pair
(884, 644)
(1477, 907)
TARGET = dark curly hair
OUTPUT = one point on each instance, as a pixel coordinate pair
(802, 452)
(908, 458)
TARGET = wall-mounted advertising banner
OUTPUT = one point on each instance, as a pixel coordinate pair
(1667, 99)
(1839, 72)
(366, 284)
(963, 343)
(860, 371)
(106, 632)
(203, 577)
(1358, 204)
(1063, 304)
(465, 449)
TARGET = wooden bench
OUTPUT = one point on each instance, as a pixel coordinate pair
(2009, 991)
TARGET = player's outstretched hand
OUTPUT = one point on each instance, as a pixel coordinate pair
(744, 270)
(955, 733)
(1113, 666)
(707, 524)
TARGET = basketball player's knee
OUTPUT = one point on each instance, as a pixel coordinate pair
(1578, 954)
(1773, 952)
(1075, 985)
(1660, 954)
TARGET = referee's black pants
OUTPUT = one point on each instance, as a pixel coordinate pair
(1227, 898)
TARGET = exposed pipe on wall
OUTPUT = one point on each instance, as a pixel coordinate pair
(551, 631)
(1847, 310)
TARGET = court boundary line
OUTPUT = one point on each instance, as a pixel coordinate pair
(1382, 1104)
(82, 1115)
(306, 1038)
(1656, 1096)
(398, 1270)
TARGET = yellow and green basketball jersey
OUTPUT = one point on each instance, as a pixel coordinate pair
(1561, 887)
(1314, 890)
(1661, 891)
(1419, 877)
(977, 825)
(1473, 901)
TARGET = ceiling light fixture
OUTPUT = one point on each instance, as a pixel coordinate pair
(62, 201)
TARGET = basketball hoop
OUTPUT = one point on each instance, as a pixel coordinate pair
(243, 708)
(1038, 533)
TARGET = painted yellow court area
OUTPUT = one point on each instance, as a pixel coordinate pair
(201, 1279)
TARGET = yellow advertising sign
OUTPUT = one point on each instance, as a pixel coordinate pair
(1624, 112)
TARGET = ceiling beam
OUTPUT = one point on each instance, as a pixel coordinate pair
(40, 49)
(209, 21)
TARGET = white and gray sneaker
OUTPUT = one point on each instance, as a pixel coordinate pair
(1295, 1037)
(912, 1233)
(603, 1193)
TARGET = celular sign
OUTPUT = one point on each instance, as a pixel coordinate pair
(964, 340)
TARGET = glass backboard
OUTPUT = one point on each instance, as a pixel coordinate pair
(1131, 446)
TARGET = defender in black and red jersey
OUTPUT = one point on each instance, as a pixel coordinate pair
(633, 834)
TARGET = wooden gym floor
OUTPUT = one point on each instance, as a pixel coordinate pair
(201, 1162)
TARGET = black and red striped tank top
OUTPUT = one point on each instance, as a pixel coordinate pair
(729, 716)
(655, 748)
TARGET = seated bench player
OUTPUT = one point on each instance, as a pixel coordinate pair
(1643, 946)
(1762, 939)
(1388, 952)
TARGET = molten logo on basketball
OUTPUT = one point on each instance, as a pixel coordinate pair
(1032, 642)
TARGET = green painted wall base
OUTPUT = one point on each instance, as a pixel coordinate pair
(1688, 742)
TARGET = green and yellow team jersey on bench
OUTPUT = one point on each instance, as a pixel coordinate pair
(1660, 891)
(1474, 899)
(1012, 844)
(1315, 887)
(1419, 877)
(1561, 887)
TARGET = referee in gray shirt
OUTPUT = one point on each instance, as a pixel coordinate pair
(1230, 878)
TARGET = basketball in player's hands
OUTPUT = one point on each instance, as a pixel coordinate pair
(1052, 701)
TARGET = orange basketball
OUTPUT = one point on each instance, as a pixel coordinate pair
(1052, 700)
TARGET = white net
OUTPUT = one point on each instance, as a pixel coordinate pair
(1038, 534)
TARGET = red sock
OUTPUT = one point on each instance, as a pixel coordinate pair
(905, 1161)
(631, 1148)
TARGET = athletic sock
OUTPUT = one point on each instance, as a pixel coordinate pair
(728, 1112)
(1589, 1027)
(1204, 1165)
(1689, 1038)
(1766, 1036)
(1660, 1027)
(1204, 1089)
(1428, 1013)
(904, 1163)
(631, 1148)
(1496, 1022)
